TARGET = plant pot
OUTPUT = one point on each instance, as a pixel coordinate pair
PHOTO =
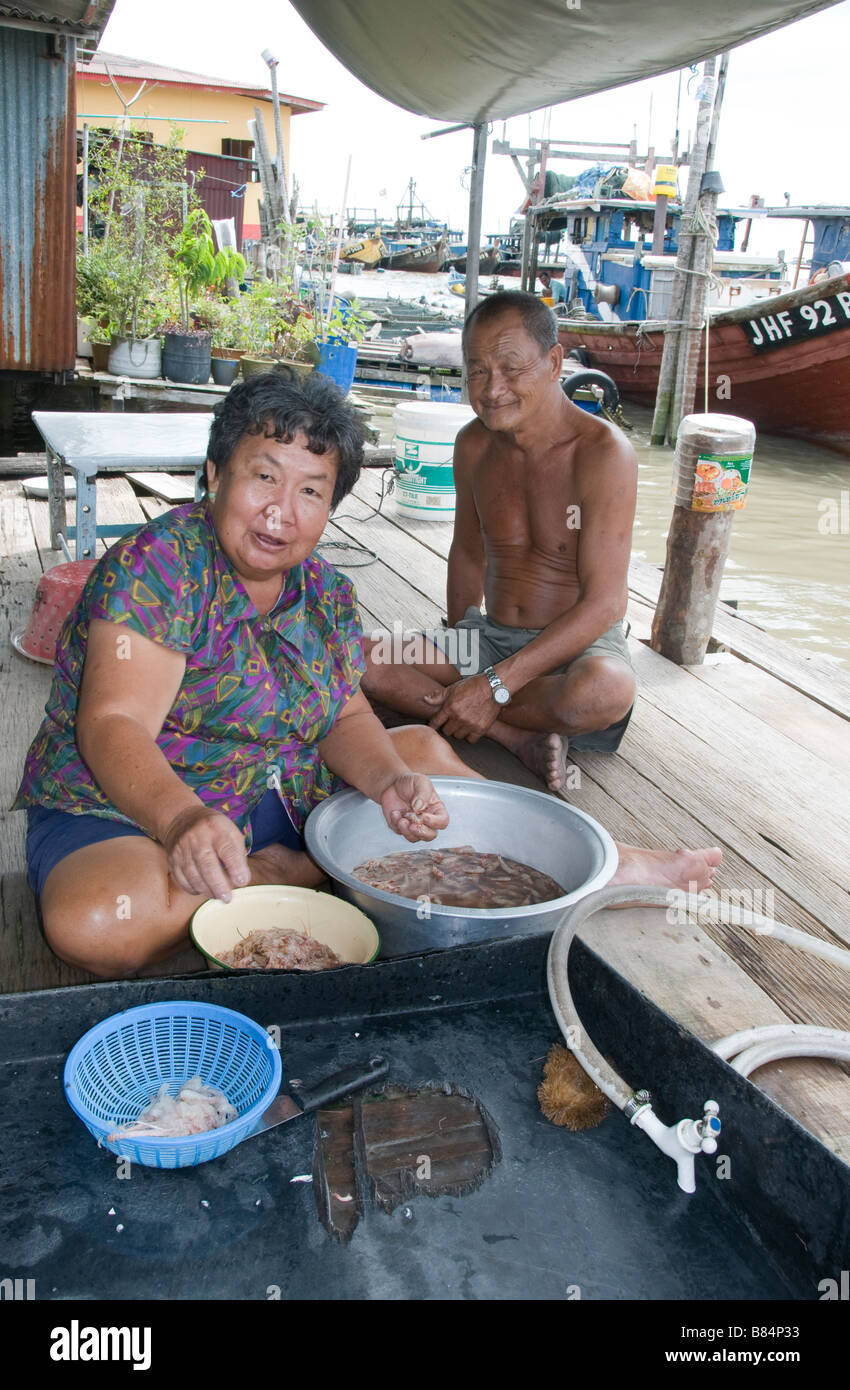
(135, 357)
(100, 356)
(230, 354)
(186, 358)
(224, 370)
(251, 366)
(338, 360)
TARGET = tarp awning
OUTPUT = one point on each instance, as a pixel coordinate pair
(476, 60)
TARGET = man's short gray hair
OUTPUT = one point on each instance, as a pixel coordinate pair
(537, 318)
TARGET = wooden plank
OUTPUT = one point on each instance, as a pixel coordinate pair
(402, 553)
(793, 798)
(829, 685)
(434, 535)
(24, 466)
(790, 712)
(172, 489)
(793, 714)
(26, 962)
(383, 592)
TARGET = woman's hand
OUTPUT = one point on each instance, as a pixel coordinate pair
(412, 808)
(206, 853)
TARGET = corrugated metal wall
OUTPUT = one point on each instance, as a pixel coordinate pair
(37, 202)
(217, 190)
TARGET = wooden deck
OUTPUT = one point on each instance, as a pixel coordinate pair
(749, 751)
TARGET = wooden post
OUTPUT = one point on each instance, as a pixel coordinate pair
(691, 335)
(802, 250)
(669, 359)
(280, 155)
(711, 453)
(473, 244)
(697, 546)
(696, 294)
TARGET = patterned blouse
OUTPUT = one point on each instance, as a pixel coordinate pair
(257, 694)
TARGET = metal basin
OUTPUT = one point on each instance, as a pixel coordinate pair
(495, 817)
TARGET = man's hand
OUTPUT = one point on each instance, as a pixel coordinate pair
(412, 808)
(206, 853)
(467, 709)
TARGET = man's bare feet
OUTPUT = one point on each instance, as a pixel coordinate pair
(544, 754)
(667, 868)
(277, 864)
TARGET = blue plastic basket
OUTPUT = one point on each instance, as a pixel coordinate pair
(115, 1068)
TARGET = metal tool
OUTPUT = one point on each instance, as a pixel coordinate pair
(304, 1099)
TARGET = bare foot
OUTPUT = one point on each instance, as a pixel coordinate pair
(545, 754)
(279, 865)
(689, 870)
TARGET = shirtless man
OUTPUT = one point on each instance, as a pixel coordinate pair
(543, 525)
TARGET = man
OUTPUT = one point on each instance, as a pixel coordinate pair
(553, 287)
(543, 524)
(545, 505)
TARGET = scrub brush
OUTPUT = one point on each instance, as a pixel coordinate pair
(567, 1095)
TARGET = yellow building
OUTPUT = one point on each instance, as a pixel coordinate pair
(212, 113)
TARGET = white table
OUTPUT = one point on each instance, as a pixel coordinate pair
(88, 443)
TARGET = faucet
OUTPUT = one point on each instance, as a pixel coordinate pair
(682, 1141)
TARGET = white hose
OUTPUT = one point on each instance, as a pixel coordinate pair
(773, 1032)
(754, 1057)
(608, 1081)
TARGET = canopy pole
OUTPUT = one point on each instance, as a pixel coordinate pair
(473, 242)
(86, 189)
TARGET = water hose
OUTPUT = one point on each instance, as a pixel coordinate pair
(754, 1044)
(754, 1047)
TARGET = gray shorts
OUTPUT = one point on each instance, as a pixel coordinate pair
(478, 641)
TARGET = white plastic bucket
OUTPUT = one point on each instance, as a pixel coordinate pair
(423, 445)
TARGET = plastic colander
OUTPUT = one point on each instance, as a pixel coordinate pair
(115, 1068)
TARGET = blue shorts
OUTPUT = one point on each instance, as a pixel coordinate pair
(53, 835)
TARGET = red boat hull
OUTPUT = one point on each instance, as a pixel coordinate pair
(800, 388)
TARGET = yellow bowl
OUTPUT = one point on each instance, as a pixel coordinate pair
(219, 926)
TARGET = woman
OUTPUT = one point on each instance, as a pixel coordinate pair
(213, 657)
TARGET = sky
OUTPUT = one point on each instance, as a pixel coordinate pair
(783, 125)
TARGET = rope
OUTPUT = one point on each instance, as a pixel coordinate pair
(387, 485)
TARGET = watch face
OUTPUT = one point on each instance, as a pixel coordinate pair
(502, 695)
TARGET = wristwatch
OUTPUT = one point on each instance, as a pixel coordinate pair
(501, 694)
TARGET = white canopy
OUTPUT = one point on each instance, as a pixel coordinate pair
(477, 60)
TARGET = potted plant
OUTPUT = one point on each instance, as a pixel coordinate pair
(340, 332)
(281, 331)
(196, 267)
(135, 200)
(226, 320)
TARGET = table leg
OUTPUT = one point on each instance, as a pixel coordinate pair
(55, 497)
(86, 516)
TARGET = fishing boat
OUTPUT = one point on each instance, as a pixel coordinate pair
(785, 365)
(367, 250)
(427, 257)
(488, 258)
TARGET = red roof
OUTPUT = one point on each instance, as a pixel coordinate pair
(137, 70)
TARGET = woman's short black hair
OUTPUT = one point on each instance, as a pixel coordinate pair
(537, 318)
(281, 405)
